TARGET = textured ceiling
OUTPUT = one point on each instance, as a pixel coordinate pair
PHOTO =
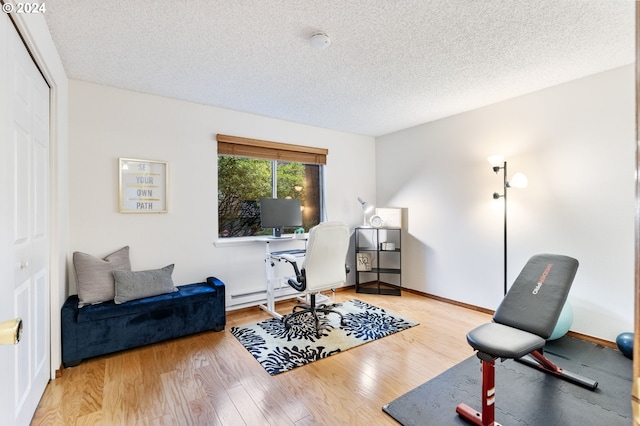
(391, 64)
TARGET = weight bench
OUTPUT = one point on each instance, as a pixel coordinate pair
(525, 318)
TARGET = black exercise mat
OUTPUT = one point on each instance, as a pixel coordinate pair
(527, 396)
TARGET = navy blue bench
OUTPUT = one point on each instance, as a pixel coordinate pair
(108, 327)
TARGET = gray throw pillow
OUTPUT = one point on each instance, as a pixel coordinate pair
(131, 285)
(95, 276)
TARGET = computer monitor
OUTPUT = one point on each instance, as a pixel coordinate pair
(278, 213)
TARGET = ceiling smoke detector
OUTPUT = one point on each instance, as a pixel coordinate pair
(319, 40)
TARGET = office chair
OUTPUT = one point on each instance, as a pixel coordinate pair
(324, 268)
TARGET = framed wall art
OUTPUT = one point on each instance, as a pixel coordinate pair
(364, 261)
(143, 186)
(390, 218)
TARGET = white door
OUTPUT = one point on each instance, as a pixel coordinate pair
(24, 240)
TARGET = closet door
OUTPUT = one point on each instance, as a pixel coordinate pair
(24, 216)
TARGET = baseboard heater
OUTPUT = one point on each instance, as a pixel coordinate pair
(260, 296)
(253, 293)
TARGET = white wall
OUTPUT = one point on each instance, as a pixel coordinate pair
(108, 123)
(575, 143)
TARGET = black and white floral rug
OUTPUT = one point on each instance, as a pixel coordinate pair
(280, 350)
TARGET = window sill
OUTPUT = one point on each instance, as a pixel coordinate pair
(236, 241)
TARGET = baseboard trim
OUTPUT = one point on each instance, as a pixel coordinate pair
(450, 301)
(585, 337)
(591, 339)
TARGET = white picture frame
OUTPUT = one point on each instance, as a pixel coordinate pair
(391, 217)
(142, 186)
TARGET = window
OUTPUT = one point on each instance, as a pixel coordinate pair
(250, 169)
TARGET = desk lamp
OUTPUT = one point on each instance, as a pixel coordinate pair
(366, 208)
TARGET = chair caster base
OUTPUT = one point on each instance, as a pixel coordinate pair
(313, 310)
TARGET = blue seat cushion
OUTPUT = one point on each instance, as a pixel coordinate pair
(193, 292)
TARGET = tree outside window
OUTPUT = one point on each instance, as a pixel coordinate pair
(243, 181)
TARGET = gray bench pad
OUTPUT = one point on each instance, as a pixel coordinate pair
(538, 294)
(501, 341)
(530, 310)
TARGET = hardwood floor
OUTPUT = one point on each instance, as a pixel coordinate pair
(211, 379)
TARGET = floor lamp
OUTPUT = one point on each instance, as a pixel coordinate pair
(519, 180)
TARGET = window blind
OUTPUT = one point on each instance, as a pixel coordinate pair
(256, 148)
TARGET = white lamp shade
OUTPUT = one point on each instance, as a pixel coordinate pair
(496, 160)
(366, 207)
(519, 180)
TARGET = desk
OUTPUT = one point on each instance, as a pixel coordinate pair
(270, 258)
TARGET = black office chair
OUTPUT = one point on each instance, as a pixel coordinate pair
(323, 269)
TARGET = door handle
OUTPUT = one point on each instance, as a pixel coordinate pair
(10, 331)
